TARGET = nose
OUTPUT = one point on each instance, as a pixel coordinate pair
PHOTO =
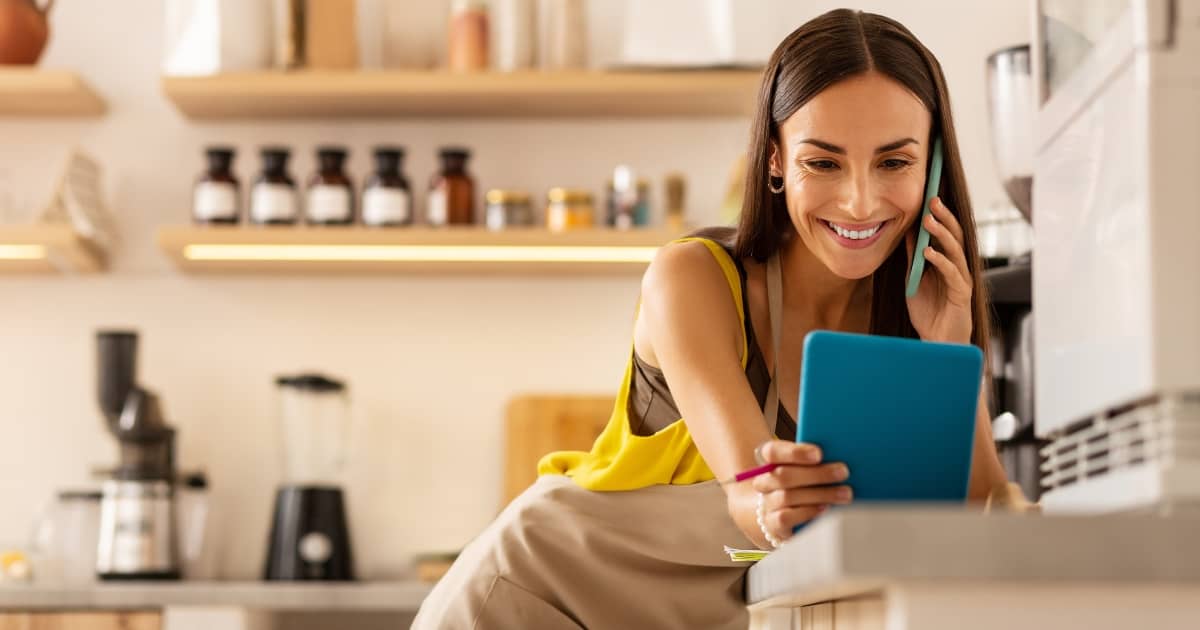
(855, 197)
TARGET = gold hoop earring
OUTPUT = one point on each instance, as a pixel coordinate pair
(771, 184)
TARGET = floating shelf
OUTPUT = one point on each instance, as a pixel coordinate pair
(47, 249)
(31, 91)
(442, 94)
(530, 251)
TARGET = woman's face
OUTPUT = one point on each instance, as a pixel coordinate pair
(853, 162)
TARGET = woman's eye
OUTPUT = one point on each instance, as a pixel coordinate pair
(894, 164)
(822, 165)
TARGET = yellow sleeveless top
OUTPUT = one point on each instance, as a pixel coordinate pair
(622, 460)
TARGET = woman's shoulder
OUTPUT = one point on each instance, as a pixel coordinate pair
(700, 264)
(691, 288)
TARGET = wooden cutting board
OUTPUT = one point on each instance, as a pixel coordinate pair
(538, 424)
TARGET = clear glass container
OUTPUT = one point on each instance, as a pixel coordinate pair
(314, 415)
(1011, 114)
(508, 208)
(65, 538)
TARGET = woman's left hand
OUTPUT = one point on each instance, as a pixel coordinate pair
(941, 309)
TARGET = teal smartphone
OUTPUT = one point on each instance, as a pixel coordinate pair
(931, 191)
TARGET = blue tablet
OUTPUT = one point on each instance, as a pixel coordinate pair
(899, 412)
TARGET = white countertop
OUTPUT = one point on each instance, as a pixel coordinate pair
(854, 551)
(277, 596)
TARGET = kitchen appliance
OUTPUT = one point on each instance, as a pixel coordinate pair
(138, 536)
(310, 538)
(1011, 116)
(1114, 280)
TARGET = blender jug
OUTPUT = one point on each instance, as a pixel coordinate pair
(310, 538)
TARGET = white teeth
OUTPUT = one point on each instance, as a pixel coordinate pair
(856, 235)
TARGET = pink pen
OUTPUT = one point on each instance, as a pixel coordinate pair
(750, 474)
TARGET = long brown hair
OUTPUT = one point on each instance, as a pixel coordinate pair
(827, 49)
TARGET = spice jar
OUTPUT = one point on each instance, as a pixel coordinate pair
(387, 200)
(330, 199)
(452, 191)
(215, 198)
(676, 188)
(628, 202)
(568, 209)
(273, 198)
(508, 208)
(468, 36)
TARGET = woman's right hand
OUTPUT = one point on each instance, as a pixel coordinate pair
(801, 488)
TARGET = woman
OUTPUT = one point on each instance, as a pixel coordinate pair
(629, 535)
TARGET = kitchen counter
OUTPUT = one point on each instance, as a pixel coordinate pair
(934, 568)
(283, 596)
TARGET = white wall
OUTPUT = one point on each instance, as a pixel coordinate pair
(431, 361)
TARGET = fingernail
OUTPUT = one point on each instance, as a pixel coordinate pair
(930, 220)
(844, 494)
(842, 471)
(811, 455)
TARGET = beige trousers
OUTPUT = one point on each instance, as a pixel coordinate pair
(562, 557)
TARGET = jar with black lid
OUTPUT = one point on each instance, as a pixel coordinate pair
(330, 197)
(216, 195)
(273, 200)
(452, 191)
(387, 199)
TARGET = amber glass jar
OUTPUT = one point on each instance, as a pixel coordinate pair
(452, 191)
(216, 198)
(273, 199)
(387, 199)
(330, 198)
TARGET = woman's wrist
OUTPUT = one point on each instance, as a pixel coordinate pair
(743, 509)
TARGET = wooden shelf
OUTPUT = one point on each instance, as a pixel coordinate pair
(31, 91)
(300, 249)
(47, 249)
(444, 94)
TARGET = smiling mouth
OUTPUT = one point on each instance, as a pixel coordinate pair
(860, 234)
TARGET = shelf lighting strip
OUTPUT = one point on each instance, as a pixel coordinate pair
(22, 252)
(422, 253)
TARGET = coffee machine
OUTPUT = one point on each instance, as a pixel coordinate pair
(1009, 270)
(1118, 305)
(138, 536)
(310, 538)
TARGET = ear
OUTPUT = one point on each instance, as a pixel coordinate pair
(775, 163)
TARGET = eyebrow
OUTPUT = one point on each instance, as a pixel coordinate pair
(833, 148)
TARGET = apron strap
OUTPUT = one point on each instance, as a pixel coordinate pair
(775, 314)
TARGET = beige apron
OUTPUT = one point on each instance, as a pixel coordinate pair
(564, 557)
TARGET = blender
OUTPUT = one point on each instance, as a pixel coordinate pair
(310, 539)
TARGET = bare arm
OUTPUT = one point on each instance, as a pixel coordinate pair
(688, 326)
(987, 473)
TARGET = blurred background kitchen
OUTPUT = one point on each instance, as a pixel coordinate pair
(122, 138)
